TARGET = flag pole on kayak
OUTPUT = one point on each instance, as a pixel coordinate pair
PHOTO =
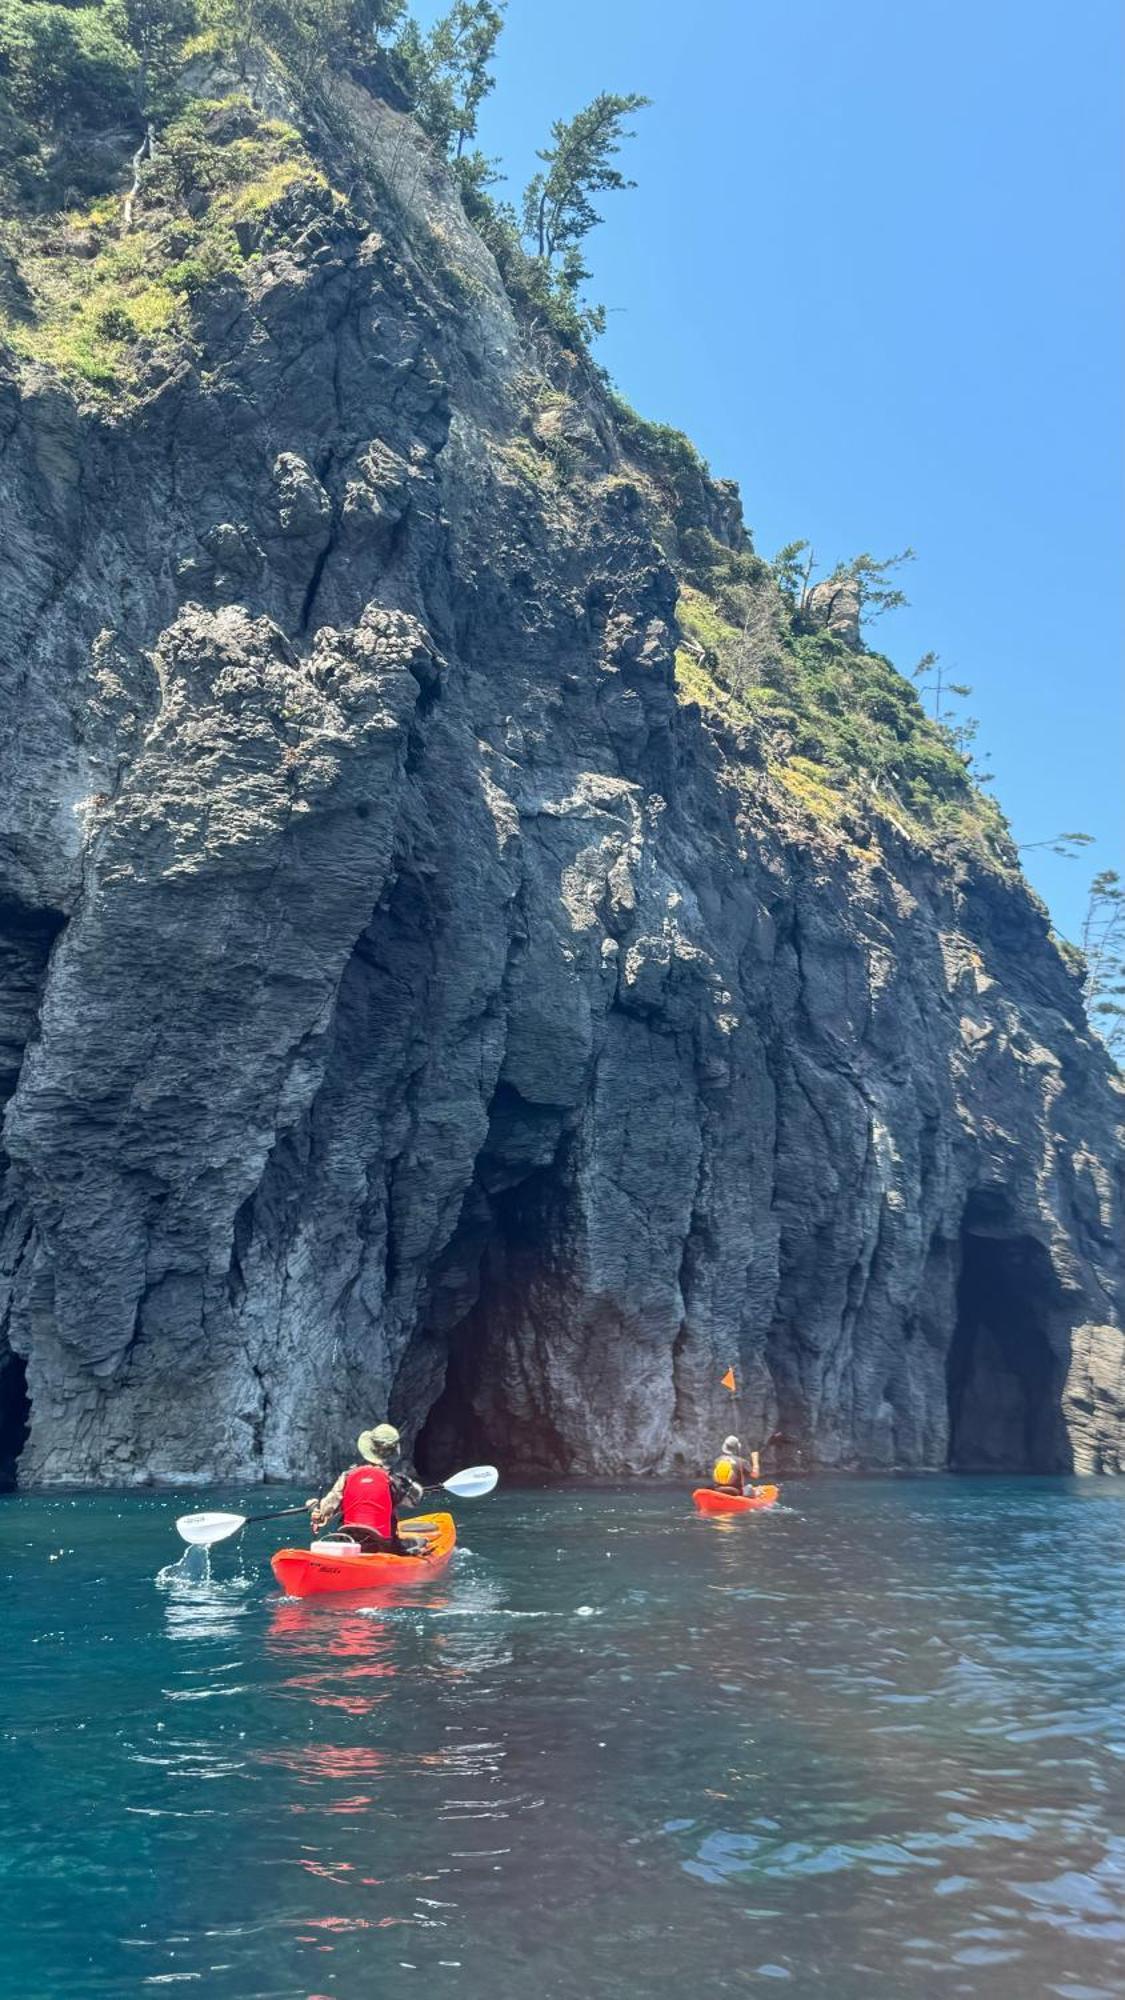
(775, 1437)
(730, 1382)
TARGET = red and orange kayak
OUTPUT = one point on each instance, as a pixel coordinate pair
(711, 1500)
(313, 1572)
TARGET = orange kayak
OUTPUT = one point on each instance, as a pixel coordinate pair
(312, 1572)
(710, 1500)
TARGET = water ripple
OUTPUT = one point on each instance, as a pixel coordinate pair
(870, 1744)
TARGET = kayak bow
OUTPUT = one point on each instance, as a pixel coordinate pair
(709, 1500)
(316, 1571)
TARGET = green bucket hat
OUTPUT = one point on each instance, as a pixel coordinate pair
(378, 1444)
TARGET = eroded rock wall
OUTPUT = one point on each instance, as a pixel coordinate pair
(406, 1000)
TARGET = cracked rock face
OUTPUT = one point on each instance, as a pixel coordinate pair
(407, 1004)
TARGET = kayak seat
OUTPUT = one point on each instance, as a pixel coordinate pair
(368, 1541)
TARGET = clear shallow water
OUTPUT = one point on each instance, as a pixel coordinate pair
(873, 1745)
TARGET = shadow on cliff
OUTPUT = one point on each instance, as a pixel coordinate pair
(27, 937)
(15, 1415)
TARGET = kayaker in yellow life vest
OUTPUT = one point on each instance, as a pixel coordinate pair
(731, 1472)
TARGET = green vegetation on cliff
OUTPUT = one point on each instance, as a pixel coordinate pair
(99, 300)
(838, 725)
(143, 174)
(76, 81)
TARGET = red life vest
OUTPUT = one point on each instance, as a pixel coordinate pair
(368, 1501)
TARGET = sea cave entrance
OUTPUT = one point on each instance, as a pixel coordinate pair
(1004, 1374)
(499, 1302)
(15, 1417)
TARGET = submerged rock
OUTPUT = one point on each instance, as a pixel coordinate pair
(412, 1000)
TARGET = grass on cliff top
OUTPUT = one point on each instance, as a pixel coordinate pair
(840, 729)
(97, 298)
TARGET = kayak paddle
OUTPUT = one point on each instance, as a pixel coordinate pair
(472, 1484)
(205, 1529)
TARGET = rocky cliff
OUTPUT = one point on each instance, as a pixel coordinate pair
(436, 974)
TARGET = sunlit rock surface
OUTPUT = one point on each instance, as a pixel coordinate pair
(407, 1001)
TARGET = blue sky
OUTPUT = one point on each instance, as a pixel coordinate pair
(869, 267)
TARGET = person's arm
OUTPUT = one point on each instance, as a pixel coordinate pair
(323, 1510)
(754, 1465)
(406, 1491)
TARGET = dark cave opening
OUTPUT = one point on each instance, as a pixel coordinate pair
(1003, 1375)
(502, 1273)
(452, 1435)
(15, 1417)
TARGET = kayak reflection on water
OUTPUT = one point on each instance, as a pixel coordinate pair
(345, 1664)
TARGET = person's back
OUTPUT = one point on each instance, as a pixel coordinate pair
(731, 1472)
(368, 1495)
(367, 1500)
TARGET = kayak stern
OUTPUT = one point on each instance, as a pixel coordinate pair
(709, 1500)
(320, 1572)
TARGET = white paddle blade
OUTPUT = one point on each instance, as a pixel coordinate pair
(473, 1483)
(203, 1529)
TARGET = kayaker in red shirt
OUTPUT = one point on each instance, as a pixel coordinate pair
(369, 1495)
(732, 1473)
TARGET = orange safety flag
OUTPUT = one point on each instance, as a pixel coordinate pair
(729, 1382)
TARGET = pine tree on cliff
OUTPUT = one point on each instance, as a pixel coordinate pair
(558, 210)
(157, 29)
(558, 205)
(450, 69)
(1103, 948)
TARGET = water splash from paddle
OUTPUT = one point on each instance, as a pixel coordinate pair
(194, 1566)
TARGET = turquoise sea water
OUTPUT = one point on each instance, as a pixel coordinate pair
(869, 1745)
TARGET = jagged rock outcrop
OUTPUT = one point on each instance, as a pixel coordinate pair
(835, 605)
(407, 1000)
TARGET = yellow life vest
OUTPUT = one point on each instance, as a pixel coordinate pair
(724, 1472)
